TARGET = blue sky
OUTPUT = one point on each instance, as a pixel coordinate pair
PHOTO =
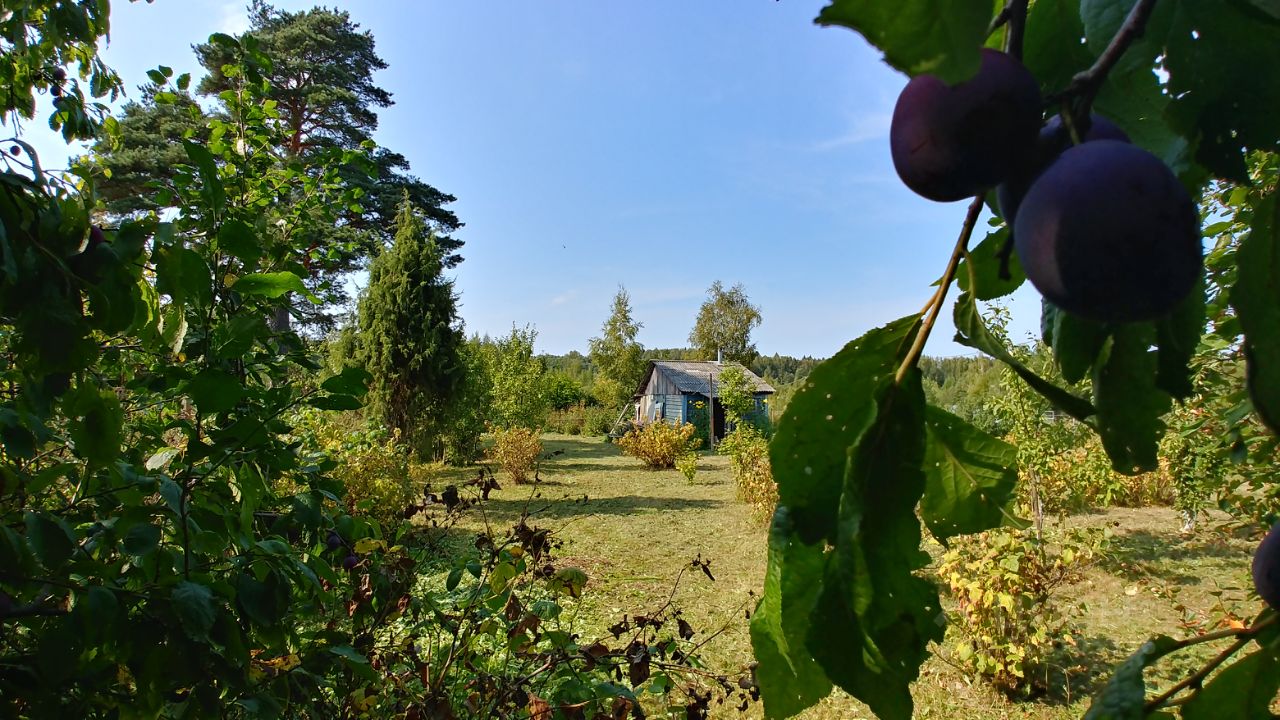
(661, 145)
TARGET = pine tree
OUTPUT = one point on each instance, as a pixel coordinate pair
(410, 337)
(618, 357)
(321, 77)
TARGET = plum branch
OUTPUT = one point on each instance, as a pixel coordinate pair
(1086, 83)
(934, 305)
(1242, 637)
(1017, 10)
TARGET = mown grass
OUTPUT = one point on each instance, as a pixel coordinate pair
(635, 531)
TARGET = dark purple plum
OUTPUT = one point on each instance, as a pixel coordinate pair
(1108, 233)
(1266, 568)
(333, 541)
(950, 142)
(1053, 140)
(350, 562)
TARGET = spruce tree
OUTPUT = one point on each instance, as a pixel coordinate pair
(410, 337)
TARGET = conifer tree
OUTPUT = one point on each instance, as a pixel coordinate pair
(410, 337)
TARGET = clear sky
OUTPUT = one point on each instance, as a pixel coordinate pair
(659, 145)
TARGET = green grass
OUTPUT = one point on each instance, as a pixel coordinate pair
(635, 531)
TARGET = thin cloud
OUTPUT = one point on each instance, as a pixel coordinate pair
(865, 127)
(564, 298)
(232, 18)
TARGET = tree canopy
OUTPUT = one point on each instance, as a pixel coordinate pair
(724, 324)
(616, 355)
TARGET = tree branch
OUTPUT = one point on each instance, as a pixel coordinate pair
(1086, 83)
(1242, 635)
(935, 303)
(1017, 10)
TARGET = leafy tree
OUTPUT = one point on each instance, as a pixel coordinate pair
(724, 324)
(517, 393)
(410, 334)
(617, 357)
(736, 393)
(562, 391)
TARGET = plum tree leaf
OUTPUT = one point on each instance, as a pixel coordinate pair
(1128, 400)
(1076, 341)
(970, 476)
(874, 617)
(830, 411)
(1177, 336)
(790, 679)
(1052, 48)
(941, 37)
(351, 381)
(979, 273)
(972, 332)
(1256, 299)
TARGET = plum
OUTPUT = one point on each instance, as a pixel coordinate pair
(950, 142)
(1053, 140)
(1266, 568)
(333, 540)
(1108, 233)
(350, 562)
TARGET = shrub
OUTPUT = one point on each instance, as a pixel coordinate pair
(516, 450)
(687, 464)
(374, 469)
(1007, 618)
(748, 452)
(659, 444)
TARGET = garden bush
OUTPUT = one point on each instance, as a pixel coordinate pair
(1008, 623)
(687, 464)
(516, 450)
(748, 452)
(658, 444)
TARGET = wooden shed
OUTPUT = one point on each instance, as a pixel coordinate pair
(671, 390)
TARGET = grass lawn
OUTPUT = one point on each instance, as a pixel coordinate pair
(634, 530)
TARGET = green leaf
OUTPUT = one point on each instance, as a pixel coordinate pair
(1256, 299)
(193, 604)
(97, 424)
(184, 81)
(831, 410)
(979, 273)
(941, 37)
(51, 539)
(1129, 402)
(1076, 341)
(1243, 691)
(142, 539)
(183, 275)
(214, 391)
(875, 618)
(972, 332)
(970, 477)
(1125, 693)
(207, 166)
(273, 285)
(1052, 50)
(790, 679)
(265, 601)
(351, 381)
(239, 240)
(1177, 336)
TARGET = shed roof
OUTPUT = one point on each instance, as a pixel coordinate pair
(695, 377)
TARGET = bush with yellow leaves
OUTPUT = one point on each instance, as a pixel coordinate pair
(516, 450)
(1008, 624)
(374, 469)
(658, 444)
(748, 452)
